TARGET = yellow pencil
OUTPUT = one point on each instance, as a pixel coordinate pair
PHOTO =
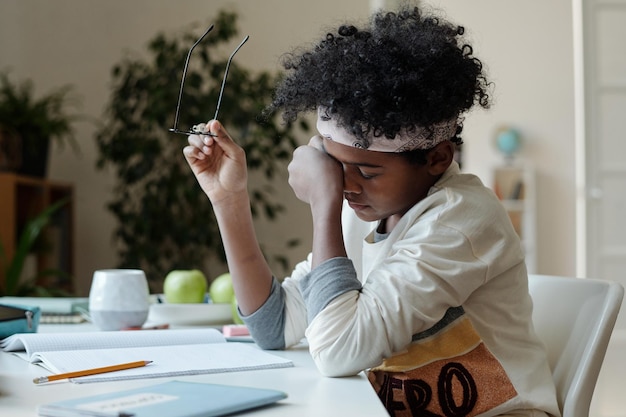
(94, 371)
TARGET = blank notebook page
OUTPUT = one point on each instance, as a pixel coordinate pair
(173, 360)
(42, 342)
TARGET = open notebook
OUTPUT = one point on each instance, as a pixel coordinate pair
(172, 352)
(169, 399)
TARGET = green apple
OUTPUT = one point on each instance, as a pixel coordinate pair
(236, 318)
(185, 286)
(221, 289)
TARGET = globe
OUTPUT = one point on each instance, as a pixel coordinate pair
(508, 142)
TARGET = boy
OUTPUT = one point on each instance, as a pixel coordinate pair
(415, 274)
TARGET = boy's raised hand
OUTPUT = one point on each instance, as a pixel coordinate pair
(314, 176)
(218, 163)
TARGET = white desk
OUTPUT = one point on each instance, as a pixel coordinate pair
(309, 393)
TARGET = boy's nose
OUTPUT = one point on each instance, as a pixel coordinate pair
(350, 185)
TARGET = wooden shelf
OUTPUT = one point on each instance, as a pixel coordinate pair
(515, 187)
(22, 199)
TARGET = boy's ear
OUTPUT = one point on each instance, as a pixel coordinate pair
(440, 157)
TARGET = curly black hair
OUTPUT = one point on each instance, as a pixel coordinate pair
(402, 70)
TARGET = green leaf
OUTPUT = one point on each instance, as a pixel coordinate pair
(27, 239)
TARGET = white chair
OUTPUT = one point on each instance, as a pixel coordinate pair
(574, 317)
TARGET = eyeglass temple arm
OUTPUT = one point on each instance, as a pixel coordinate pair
(182, 80)
(219, 100)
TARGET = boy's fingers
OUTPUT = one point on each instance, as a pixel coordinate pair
(316, 142)
(217, 130)
(195, 140)
(191, 152)
(223, 139)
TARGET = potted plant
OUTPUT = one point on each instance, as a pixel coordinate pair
(34, 123)
(12, 269)
(164, 221)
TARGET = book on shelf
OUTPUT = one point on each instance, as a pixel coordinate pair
(168, 399)
(174, 352)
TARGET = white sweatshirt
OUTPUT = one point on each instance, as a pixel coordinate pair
(438, 312)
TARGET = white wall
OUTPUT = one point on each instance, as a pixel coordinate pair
(528, 50)
(527, 47)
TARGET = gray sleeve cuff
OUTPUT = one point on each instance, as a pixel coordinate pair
(267, 324)
(330, 279)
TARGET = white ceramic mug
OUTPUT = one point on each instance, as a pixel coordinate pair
(119, 298)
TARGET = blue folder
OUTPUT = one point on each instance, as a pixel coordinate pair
(168, 399)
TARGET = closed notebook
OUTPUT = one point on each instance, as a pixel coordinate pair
(168, 399)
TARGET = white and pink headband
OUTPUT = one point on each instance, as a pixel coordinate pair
(418, 138)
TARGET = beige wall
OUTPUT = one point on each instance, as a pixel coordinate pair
(528, 51)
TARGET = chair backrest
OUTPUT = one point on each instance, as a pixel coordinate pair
(574, 317)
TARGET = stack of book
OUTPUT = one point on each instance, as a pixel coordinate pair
(55, 310)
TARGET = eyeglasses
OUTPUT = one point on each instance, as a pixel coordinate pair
(175, 129)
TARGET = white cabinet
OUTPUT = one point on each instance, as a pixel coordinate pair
(515, 187)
